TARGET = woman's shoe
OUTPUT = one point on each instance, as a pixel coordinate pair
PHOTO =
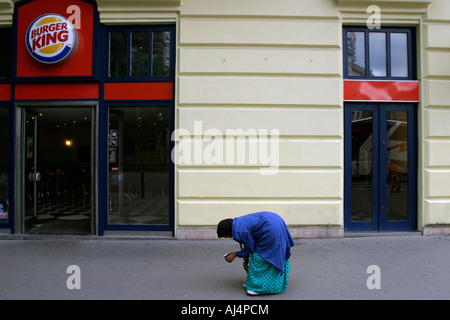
(251, 293)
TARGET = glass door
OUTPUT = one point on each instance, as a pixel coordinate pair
(398, 168)
(139, 193)
(360, 197)
(380, 167)
(31, 174)
(5, 213)
(57, 170)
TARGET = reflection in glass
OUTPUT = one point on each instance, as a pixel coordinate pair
(118, 54)
(399, 55)
(362, 175)
(356, 54)
(397, 163)
(161, 54)
(139, 53)
(4, 137)
(138, 165)
(377, 54)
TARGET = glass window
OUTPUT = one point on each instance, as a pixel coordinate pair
(142, 53)
(377, 54)
(5, 53)
(397, 162)
(118, 54)
(356, 54)
(399, 54)
(138, 165)
(139, 53)
(4, 136)
(161, 54)
(384, 53)
(362, 165)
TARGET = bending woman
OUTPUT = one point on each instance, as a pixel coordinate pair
(267, 242)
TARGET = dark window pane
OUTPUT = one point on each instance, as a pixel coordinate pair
(4, 137)
(362, 157)
(118, 54)
(356, 54)
(5, 53)
(139, 53)
(161, 54)
(399, 54)
(397, 162)
(377, 54)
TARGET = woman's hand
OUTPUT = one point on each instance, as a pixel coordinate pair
(230, 257)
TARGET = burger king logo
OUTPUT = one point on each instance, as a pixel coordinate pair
(51, 39)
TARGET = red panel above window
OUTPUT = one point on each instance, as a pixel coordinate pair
(366, 90)
(139, 91)
(5, 92)
(56, 91)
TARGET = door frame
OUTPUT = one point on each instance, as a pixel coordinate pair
(380, 187)
(19, 185)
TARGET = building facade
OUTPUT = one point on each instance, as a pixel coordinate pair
(171, 115)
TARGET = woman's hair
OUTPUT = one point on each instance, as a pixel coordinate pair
(224, 228)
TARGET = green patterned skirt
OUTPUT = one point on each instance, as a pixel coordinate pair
(264, 278)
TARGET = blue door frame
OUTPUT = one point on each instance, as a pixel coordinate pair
(376, 216)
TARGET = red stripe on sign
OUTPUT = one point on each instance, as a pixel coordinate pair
(365, 90)
(5, 92)
(139, 91)
(57, 91)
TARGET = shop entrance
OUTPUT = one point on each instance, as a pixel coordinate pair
(380, 167)
(57, 171)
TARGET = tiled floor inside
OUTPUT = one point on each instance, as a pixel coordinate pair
(73, 216)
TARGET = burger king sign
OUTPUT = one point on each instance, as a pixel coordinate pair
(51, 39)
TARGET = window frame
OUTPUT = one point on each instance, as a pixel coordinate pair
(411, 52)
(135, 28)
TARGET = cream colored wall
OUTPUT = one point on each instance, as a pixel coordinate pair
(138, 11)
(260, 64)
(436, 114)
(6, 13)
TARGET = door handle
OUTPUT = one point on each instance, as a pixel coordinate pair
(34, 176)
